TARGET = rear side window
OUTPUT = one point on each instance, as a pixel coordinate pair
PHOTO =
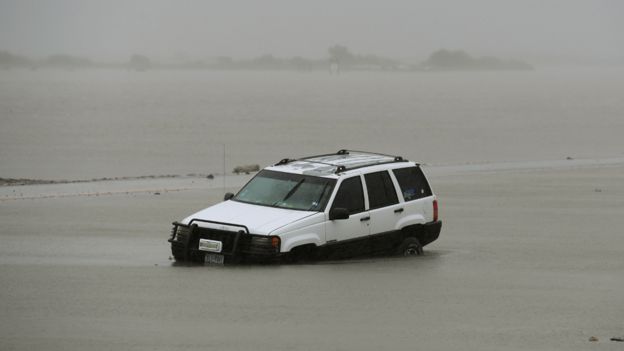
(380, 190)
(350, 196)
(413, 183)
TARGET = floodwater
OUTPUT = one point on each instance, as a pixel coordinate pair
(93, 124)
(529, 258)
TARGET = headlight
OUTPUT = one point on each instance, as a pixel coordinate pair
(272, 242)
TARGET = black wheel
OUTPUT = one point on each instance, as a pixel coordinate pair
(302, 254)
(410, 247)
(180, 253)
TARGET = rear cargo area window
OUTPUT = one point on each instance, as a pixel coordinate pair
(413, 183)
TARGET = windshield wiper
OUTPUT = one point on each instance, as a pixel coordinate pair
(291, 192)
(318, 201)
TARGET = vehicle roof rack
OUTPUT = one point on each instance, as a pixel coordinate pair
(342, 168)
(286, 161)
(347, 152)
(283, 161)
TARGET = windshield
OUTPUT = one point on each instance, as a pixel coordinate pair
(287, 190)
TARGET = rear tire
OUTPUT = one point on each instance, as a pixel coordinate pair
(410, 247)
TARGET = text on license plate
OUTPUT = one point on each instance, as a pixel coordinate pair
(213, 259)
(210, 245)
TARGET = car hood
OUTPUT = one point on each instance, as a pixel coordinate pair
(258, 219)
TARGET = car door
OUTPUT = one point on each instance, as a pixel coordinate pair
(384, 207)
(350, 195)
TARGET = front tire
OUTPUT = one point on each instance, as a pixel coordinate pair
(180, 253)
(410, 247)
(302, 254)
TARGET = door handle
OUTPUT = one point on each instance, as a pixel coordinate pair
(363, 219)
(398, 210)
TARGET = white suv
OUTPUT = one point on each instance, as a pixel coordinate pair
(328, 206)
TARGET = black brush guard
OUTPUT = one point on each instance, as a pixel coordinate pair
(235, 243)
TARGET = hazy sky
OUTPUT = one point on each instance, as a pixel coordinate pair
(165, 29)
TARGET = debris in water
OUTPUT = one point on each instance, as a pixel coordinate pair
(170, 258)
(246, 169)
(569, 158)
(156, 193)
(210, 176)
(597, 190)
(593, 339)
(618, 339)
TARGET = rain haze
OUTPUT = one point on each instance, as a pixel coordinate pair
(118, 118)
(112, 30)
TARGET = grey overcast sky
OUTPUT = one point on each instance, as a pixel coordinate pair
(164, 29)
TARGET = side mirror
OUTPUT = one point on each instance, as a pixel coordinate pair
(338, 213)
(228, 196)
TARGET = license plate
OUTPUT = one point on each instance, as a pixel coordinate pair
(210, 245)
(213, 259)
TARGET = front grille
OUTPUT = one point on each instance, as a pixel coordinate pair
(233, 242)
(227, 238)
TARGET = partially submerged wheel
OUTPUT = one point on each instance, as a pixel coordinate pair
(181, 246)
(180, 253)
(410, 247)
(302, 254)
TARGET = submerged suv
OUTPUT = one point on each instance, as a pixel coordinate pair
(329, 206)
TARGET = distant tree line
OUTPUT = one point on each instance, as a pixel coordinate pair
(140, 62)
(340, 55)
(460, 60)
(270, 62)
(8, 59)
(338, 58)
(67, 61)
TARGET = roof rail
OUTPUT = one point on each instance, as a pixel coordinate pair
(286, 161)
(283, 161)
(346, 152)
(342, 168)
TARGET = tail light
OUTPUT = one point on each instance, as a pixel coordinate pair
(435, 210)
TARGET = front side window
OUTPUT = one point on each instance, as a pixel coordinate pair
(413, 183)
(350, 196)
(381, 191)
(287, 190)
